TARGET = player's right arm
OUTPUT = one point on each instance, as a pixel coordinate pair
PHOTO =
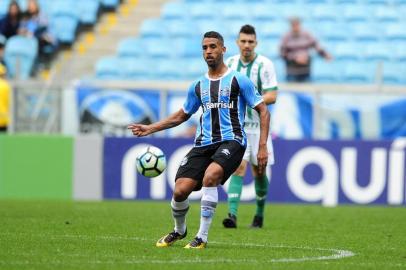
(190, 107)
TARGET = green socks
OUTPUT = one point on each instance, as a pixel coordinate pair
(234, 194)
(261, 189)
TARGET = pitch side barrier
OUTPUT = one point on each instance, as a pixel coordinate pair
(92, 167)
(301, 111)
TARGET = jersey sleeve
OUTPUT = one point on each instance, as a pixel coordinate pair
(192, 102)
(249, 92)
(268, 76)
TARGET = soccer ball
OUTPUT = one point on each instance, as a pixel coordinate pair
(151, 162)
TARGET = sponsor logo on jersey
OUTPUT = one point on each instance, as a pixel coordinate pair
(218, 105)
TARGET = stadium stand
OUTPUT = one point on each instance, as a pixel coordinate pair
(20, 54)
(362, 35)
(65, 17)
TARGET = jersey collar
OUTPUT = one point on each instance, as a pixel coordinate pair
(225, 74)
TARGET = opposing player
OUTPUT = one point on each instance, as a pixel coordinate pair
(262, 73)
(220, 139)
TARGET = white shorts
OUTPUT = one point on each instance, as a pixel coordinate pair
(251, 152)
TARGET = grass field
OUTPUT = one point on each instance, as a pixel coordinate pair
(122, 235)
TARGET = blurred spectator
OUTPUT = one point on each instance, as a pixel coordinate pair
(4, 100)
(295, 50)
(35, 24)
(10, 24)
(2, 45)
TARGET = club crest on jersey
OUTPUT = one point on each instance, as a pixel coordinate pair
(225, 92)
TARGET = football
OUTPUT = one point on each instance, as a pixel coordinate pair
(151, 162)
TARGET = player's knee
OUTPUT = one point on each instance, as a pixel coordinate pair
(212, 178)
(180, 195)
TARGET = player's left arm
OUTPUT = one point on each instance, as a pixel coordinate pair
(268, 82)
(255, 100)
(264, 118)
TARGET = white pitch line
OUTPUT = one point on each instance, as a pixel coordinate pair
(337, 253)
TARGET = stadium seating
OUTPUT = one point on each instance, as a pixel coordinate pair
(3, 8)
(153, 28)
(134, 68)
(174, 10)
(20, 55)
(109, 67)
(394, 74)
(359, 73)
(110, 3)
(326, 72)
(377, 52)
(64, 20)
(362, 35)
(88, 11)
(200, 12)
(130, 47)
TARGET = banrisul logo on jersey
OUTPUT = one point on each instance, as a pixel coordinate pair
(218, 105)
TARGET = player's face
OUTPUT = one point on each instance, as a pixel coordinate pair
(213, 51)
(247, 44)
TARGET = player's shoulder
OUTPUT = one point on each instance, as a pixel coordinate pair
(262, 59)
(196, 82)
(232, 59)
(242, 79)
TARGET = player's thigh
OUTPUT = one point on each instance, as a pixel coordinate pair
(193, 166)
(213, 175)
(229, 156)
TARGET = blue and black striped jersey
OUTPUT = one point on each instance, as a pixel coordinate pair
(223, 102)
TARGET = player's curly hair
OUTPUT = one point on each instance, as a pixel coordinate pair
(248, 29)
(214, 34)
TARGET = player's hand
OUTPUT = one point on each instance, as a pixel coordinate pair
(262, 158)
(140, 130)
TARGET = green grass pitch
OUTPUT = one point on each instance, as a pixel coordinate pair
(122, 235)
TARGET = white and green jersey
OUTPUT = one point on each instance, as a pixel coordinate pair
(261, 71)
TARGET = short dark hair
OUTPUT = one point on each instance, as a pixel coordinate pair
(214, 34)
(248, 29)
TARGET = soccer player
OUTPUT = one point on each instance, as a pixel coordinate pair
(262, 73)
(220, 139)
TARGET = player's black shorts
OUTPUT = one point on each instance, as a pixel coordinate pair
(227, 154)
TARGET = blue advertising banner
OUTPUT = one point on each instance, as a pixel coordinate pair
(305, 171)
(109, 111)
(294, 115)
